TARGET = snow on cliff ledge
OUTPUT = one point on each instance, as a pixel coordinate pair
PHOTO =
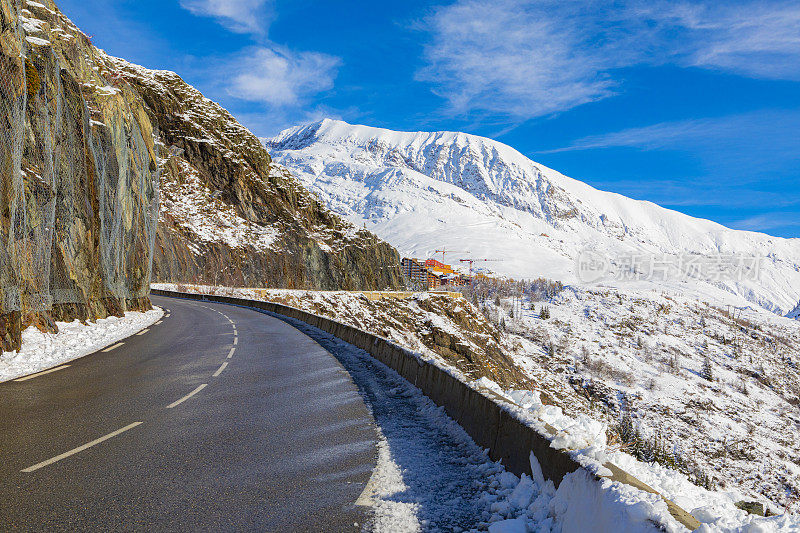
(424, 191)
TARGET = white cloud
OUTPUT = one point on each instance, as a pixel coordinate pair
(241, 16)
(523, 59)
(760, 39)
(769, 221)
(279, 77)
(510, 59)
(742, 161)
(756, 136)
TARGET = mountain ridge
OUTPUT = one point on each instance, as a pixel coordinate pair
(460, 184)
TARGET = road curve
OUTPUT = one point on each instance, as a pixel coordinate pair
(218, 418)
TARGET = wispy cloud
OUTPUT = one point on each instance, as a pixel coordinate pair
(769, 221)
(276, 86)
(524, 59)
(762, 139)
(270, 87)
(510, 59)
(760, 39)
(280, 77)
(241, 16)
(691, 193)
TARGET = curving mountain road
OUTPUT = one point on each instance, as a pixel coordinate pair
(217, 418)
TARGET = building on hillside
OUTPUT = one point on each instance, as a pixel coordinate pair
(439, 267)
(455, 280)
(415, 271)
(432, 274)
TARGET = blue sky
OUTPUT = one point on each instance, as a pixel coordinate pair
(692, 105)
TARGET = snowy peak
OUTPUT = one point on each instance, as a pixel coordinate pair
(484, 168)
(424, 191)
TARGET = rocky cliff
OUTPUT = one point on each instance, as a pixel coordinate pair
(78, 196)
(89, 142)
(230, 216)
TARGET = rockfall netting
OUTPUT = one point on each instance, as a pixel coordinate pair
(12, 126)
(79, 188)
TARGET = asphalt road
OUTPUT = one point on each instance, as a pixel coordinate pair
(217, 419)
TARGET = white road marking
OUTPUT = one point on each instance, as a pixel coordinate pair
(79, 448)
(219, 371)
(195, 391)
(114, 347)
(230, 354)
(26, 378)
(143, 331)
(367, 497)
(235, 340)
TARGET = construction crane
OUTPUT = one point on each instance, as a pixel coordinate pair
(471, 261)
(446, 251)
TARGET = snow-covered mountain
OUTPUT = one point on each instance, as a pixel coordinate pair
(427, 191)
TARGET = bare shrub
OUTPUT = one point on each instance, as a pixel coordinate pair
(600, 368)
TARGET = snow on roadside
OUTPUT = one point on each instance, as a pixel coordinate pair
(719, 387)
(578, 496)
(431, 476)
(586, 439)
(41, 351)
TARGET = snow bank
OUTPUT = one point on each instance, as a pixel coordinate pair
(41, 351)
(584, 504)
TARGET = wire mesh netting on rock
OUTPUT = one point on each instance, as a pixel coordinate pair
(79, 188)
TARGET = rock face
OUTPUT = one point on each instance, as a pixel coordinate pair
(79, 195)
(795, 313)
(89, 146)
(230, 216)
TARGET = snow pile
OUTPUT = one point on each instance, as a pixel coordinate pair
(41, 351)
(422, 191)
(584, 504)
(431, 476)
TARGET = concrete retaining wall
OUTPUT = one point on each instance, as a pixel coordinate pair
(490, 426)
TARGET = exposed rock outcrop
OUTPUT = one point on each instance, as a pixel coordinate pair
(87, 144)
(79, 196)
(231, 216)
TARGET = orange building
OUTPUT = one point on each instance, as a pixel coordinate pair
(439, 267)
